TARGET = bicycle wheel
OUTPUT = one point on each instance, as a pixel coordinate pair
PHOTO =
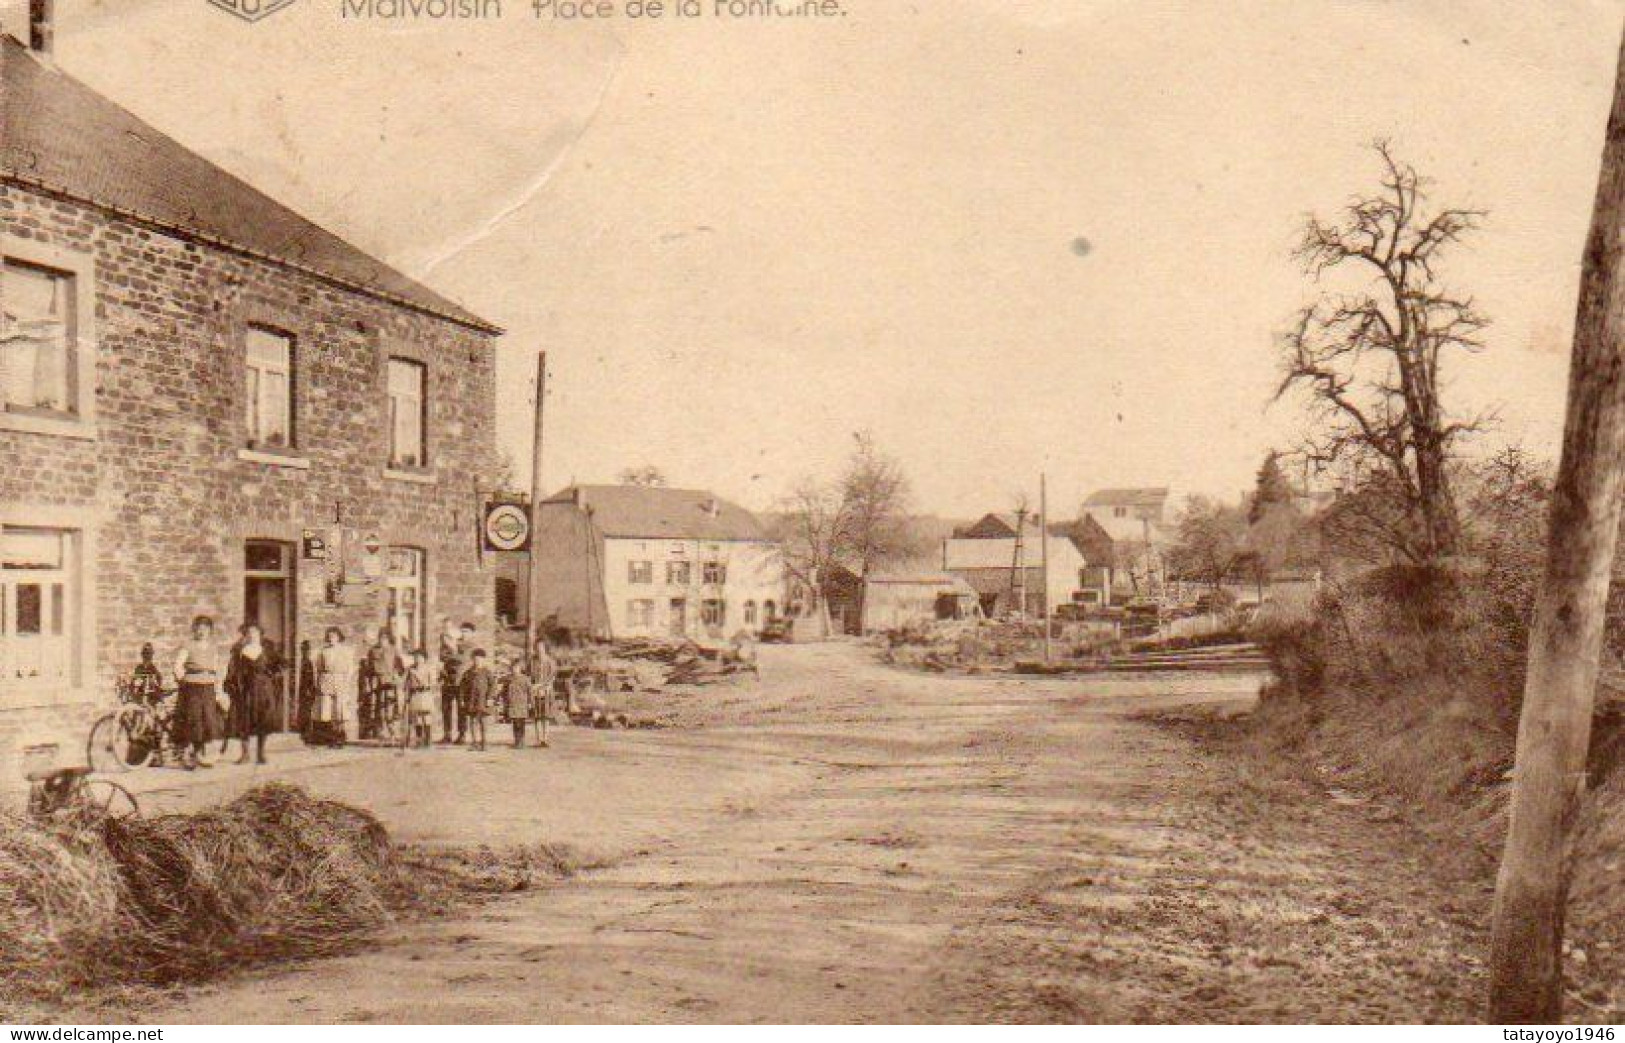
(115, 743)
(108, 799)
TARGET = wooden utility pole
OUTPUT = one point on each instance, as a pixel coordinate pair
(1018, 564)
(533, 594)
(1526, 957)
(1043, 537)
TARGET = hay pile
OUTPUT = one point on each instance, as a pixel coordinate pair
(62, 907)
(275, 873)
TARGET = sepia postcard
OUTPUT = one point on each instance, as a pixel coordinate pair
(740, 512)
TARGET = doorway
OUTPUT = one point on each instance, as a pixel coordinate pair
(268, 602)
(403, 607)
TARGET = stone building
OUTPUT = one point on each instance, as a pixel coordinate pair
(639, 561)
(208, 405)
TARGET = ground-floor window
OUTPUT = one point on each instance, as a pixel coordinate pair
(640, 612)
(39, 618)
(403, 579)
(713, 613)
(750, 613)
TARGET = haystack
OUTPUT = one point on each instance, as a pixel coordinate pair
(273, 873)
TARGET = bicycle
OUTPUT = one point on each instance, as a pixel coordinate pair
(71, 792)
(139, 732)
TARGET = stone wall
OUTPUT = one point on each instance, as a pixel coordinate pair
(165, 489)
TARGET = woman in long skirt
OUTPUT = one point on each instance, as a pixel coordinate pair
(197, 668)
(336, 681)
(254, 683)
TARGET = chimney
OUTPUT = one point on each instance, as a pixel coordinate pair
(41, 26)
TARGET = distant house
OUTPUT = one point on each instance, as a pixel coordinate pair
(1130, 514)
(1099, 552)
(985, 556)
(646, 561)
(1139, 524)
(896, 598)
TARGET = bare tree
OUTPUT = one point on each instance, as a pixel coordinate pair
(857, 522)
(647, 474)
(814, 530)
(1368, 360)
(874, 495)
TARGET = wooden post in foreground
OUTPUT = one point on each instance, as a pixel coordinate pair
(1526, 968)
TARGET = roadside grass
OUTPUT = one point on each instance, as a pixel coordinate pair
(1408, 695)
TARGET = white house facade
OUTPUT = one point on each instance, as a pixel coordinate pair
(695, 588)
(629, 561)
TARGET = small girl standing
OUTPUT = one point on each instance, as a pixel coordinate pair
(516, 699)
(416, 714)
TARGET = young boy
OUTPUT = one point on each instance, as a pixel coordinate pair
(478, 688)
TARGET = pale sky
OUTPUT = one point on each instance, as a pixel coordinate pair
(739, 242)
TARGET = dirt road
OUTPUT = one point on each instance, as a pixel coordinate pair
(849, 843)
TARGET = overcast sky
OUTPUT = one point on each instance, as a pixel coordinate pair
(740, 242)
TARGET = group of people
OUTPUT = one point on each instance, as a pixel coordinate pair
(383, 691)
(249, 673)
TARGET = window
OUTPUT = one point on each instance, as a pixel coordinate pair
(678, 573)
(38, 616)
(713, 613)
(770, 611)
(269, 398)
(714, 572)
(750, 613)
(640, 572)
(1119, 512)
(403, 578)
(507, 598)
(640, 612)
(38, 340)
(408, 384)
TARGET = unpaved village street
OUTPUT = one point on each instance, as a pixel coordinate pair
(849, 842)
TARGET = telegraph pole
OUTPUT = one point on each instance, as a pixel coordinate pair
(1043, 537)
(534, 600)
(1565, 641)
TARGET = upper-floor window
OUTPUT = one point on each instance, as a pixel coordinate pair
(678, 573)
(38, 339)
(640, 572)
(1119, 512)
(408, 401)
(269, 398)
(714, 572)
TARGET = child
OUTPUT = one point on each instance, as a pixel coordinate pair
(544, 671)
(147, 683)
(516, 699)
(419, 682)
(478, 688)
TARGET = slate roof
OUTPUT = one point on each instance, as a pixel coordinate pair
(653, 512)
(61, 136)
(1146, 497)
